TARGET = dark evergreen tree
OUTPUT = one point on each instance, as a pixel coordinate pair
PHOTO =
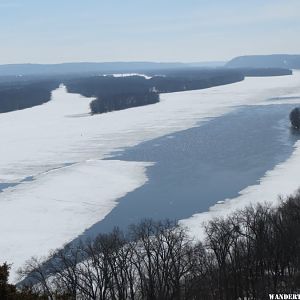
(295, 117)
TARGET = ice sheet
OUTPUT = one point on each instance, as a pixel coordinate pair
(62, 201)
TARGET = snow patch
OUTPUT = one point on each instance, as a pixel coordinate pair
(128, 75)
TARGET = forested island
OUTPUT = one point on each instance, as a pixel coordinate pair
(116, 93)
(23, 94)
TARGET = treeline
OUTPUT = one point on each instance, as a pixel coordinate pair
(264, 72)
(115, 93)
(266, 61)
(295, 118)
(184, 80)
(119, 102)
(229, 73)
(10, 292)
(17, 94)
(246, 255)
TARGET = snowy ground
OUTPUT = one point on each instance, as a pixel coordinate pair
(60, 145)
(128, 74)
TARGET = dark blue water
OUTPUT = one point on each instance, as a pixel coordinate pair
(197, 167)
(4, 186)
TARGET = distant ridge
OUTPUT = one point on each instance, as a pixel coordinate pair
(95, 67)
(265, 61)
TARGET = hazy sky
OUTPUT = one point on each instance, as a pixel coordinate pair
(50, 31)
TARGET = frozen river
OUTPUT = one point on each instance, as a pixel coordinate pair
(196, 168)
(64, 173)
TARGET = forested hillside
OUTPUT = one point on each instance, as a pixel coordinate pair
(266, 61)
(246, 255)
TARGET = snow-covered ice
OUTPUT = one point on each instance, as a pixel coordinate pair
(128, 75)
(62, 201)
(61, 131)
(40, 215)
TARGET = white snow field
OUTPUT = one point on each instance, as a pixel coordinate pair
(128, 74)
(38, 216)
(63, 200)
